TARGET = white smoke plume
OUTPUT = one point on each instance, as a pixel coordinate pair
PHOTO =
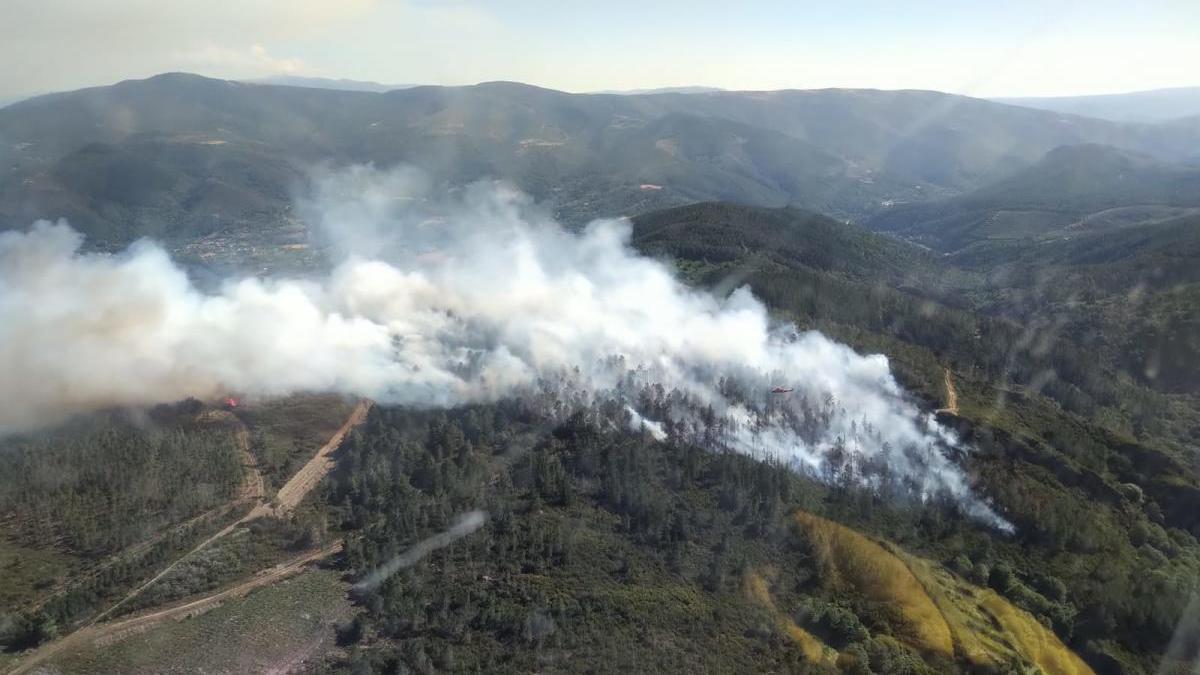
(464, 525)
(442, 302)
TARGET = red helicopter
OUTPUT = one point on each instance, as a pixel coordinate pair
(781, 390)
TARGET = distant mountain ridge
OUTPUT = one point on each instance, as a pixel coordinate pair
(340, 84)
(1154, 105)
(1030, 277)
(227, 155)
(661, 90)
(1084, 187)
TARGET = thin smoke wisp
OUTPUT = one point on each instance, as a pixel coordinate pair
(464, 525)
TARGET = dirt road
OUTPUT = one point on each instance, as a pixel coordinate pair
(294, 491)
(951, 395)
(253, 487)
(105, 634)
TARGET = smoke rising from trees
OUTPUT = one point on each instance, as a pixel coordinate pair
(444, 300)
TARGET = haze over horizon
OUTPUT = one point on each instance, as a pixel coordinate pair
(1021, 49)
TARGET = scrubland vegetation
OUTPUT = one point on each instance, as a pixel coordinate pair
(94, 509)
(605, 546)
(623, 550)
(279, 627)
(1098, 573)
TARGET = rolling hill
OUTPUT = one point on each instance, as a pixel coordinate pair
(843, 152)
(328, 83)
(721, 233)
(1058, 312)
(1072, 190)
(610, 546)
(1155, 105)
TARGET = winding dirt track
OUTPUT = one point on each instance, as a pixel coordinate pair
(291, 494)
(951, 395)
(109, 633)
(253, 488)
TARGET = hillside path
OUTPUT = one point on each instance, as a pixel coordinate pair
(253, 487)
(304, 480)
(105, 634)
(951, 395)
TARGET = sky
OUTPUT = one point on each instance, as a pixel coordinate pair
(1013, 48)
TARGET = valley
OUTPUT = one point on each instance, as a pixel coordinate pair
(1028, 277)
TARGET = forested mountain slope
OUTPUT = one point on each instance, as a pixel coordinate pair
(183, 156)
(1041, 400)
(606, 545)
(1154, 105)
(1073, 190)
(1057, 310)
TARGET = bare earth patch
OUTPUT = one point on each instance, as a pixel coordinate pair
(275, 629)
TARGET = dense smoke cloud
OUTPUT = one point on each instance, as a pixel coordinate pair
(436, 302)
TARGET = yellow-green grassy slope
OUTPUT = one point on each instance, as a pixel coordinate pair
(946, 615)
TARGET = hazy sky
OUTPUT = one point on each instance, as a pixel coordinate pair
(1023, 47)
